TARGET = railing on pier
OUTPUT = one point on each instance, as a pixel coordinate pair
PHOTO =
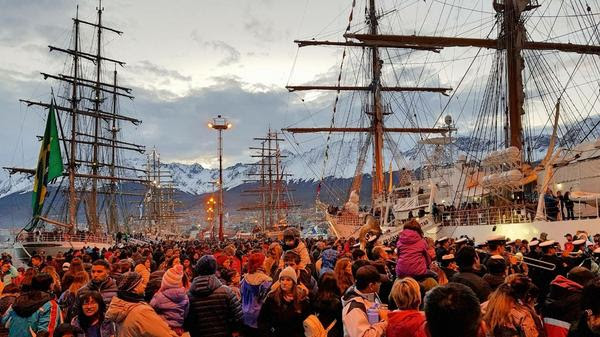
(50, 236)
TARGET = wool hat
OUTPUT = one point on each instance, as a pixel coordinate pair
(289, 272)
(255, 261)
(207, 265)
(173, 277)
(129, 281)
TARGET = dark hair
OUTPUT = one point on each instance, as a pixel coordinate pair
(291, 255)
(102, 262)
(357, 254)
(42, 282)
(11, 289)
(452, 311)
(328, 286)
(581, 275)
(84, 321)
(465, 257)
(590, 296)
(413, 225)
(357, 264)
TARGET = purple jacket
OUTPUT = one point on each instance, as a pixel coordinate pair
(172, 305)
(413, 258)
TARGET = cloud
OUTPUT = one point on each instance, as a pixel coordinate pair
(159, 71)
(231, 55)
(264, 31)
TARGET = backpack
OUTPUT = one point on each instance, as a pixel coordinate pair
(314, 328)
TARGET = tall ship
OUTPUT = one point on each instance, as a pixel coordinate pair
(482, 113)
(85, 203)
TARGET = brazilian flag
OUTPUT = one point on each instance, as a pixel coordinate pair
(50, 165)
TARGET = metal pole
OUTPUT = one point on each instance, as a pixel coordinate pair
(220, 185)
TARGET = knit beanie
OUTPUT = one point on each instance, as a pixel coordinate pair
(173, 278)
(255, 262)
(207, 265)
(289, 272)
(129, 281)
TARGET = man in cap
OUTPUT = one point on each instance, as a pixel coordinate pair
(448, 265)
(458, 244)
(569, 244)
(495, 244)
(535, 251)
(359, 298)
(468, 266)
(443, 248)
(543, 276)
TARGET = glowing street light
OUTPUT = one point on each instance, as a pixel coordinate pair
(220, 123)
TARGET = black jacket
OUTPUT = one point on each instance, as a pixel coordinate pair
(475, 282)
(214, 309)
(563, 301)
(328, 309)
(280, 319)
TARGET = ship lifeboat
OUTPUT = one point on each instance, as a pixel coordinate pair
(511, 178)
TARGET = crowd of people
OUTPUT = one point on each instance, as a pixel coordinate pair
(408, 286)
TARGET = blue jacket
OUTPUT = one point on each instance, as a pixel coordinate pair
(328, 260)
(32, 312)
(107, 328)
(172, 305)
(254, 288)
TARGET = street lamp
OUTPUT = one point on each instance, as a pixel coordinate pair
(219, 123)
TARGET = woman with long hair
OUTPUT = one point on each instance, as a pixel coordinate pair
(68, 299)
(285, 308)
(343, 274)
(507, 312)
(328, 306)
(56, 288)
(75, 267)
(272, 259)
(90, 316)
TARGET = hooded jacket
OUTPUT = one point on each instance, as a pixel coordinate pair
(107, 288)
(32, 312)
(279, 318)
(328, 260)
(406, 323)
(354, 315)
(563, 300)
(136, 319)
(172, 305)
(254, 288)
(214, 308)
(301, 250)
(413, 258)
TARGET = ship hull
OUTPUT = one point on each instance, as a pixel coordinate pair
(24, 250)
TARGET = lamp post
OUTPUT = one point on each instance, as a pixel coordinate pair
(219, 123)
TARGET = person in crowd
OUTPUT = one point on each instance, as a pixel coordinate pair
(68, 299)
(292, 241)
(75, 266)
(101, 281)
(171, 301)
(453, 310)
(565, 297)
(359, 254)
(274, 254)
(361, 298)
(468, 266)
(327, 261)
(254, 289)
(506, 312)
(306, 282)
(66, 330)
(543, 277)
(34, 311)
(442, 248)
(154, 284)
(328, 305)
(90, 316)
(8, 297)
(413, 257)
(8, 272)
(143, 268)
(407, 321)
(569, 205)
(231, 278)
(131, 315)
(343, 274)
(496, 271)
(551, 205)
(588, 324)
(449, 266)
(214, 308)
(37, 263)
(285, 308)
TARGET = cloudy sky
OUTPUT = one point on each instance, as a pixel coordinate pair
(189, 60)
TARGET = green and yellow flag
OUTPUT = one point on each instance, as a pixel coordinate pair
(50, 165)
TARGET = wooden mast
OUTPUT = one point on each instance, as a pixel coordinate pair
(112, 218)
(377, 109)
(92, 209)
(73, 154)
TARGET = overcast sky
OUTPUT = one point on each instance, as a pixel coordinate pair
(189, 60)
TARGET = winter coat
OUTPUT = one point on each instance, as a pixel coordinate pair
(475, 282)
(154, 284)
(254, 288)
(354, 315)
(107, 328)
(172, 305)
(328, 309)
(301, 250)
(406, 323)
(280, 319)
(6, 301)
(107, 288)
(563, 301)
(136, 319)
(214, 308)
(493, 280)
(413, 258)
(32, 312)
(328, 260)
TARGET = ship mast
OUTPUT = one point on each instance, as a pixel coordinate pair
(92, 209)
(512, 40)
(377, 127)
(74, 106)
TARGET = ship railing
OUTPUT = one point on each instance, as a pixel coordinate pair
(78, 237)
(349, 219)
(523, 213)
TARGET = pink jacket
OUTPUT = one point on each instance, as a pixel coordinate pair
(413, 258)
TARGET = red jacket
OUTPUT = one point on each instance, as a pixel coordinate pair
(406, 323)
